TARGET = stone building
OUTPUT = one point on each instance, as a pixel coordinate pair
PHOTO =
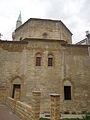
(42, 57)
(85, 41)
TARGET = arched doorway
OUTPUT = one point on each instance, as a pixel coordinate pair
(16, 88)
(16, 91)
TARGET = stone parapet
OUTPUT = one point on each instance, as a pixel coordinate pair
(25, 111)
(11, 103)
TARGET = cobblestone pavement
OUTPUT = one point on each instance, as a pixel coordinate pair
(6, 114)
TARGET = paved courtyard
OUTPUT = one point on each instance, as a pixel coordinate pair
(6, 114)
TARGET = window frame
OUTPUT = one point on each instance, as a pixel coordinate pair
(38, 61)
(67, 94)
(50, 60)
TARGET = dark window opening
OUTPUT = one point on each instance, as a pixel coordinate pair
(20, 38)
(45, 35)
(50, 61)
(15, 86)
(38, 61)
(67, 92)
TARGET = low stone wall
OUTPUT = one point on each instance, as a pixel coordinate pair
(11, 103)
(25, 111)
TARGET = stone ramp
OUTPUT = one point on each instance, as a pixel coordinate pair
(6, 114)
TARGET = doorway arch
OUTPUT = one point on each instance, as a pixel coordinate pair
(16, 85)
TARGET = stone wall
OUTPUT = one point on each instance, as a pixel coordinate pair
(23, 110)
(70, 65)
(12, 64)
(44, 29)
(2, 94)
(11, 103)
(27, 112)
(76, 71)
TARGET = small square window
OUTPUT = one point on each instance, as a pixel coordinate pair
(67, 92)
(38, 61)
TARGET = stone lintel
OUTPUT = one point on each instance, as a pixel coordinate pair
(54, 95)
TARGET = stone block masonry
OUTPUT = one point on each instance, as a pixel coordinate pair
(25, 111)
(11, 103)
(55, 107)
(36, 105)
(37, 28)
(18, 66)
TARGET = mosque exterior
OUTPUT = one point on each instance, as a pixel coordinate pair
(42, 57)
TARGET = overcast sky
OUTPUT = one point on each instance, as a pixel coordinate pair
(75, 14)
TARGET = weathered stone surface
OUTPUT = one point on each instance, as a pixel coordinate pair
(36, 105)
(36, 28)
(71, 66)
(23, 110)
(55, 107)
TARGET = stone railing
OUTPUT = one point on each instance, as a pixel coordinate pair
(11, 103)
(25, 111)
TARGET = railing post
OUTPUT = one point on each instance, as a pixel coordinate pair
(36, 105)
(55, 107)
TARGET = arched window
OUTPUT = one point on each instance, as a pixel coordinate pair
(50, 60)
(67, 90)
(38, 59)
(44, 35)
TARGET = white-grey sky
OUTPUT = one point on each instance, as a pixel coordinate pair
(75, 14)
